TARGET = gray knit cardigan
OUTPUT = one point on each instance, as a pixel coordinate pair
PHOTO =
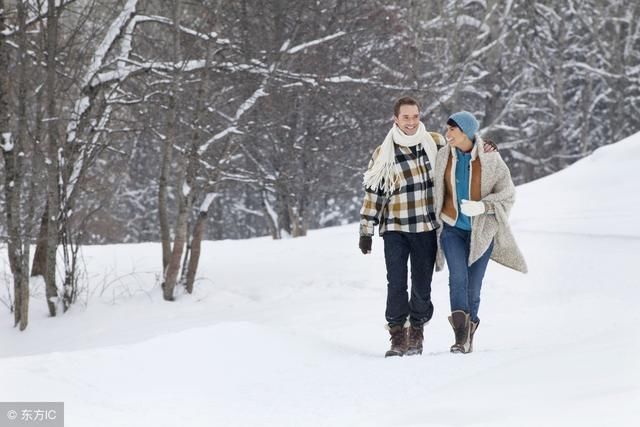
(498, 195)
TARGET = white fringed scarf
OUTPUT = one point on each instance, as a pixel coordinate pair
(382, 174)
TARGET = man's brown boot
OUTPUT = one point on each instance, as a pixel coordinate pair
(460, 322)
(398, 341)
(416, 336)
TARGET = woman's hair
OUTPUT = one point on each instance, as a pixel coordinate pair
(453, 123)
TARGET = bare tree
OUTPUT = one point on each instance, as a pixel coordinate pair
(14, 157)
(180, 121)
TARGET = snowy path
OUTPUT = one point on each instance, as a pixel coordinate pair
(290, 333)
(306, 350)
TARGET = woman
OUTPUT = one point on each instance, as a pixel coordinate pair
(474, 194)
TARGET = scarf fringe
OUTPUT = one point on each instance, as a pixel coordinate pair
(383, 177)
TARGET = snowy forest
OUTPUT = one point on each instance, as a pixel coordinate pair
(179, 121)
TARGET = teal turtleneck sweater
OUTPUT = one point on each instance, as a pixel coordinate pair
(463, 166)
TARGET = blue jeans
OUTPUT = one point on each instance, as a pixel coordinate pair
(421, 248)
(465, 281)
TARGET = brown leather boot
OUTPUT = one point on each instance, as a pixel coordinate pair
(398, 341)
(473, 327)
(460, 322)
(416, 336)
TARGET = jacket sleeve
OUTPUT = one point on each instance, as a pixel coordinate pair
(373, 206)
(503, 195)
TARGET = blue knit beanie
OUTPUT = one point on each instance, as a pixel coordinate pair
(466, 122)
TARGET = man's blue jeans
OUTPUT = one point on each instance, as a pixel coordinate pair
(464, 282)
(421, 248)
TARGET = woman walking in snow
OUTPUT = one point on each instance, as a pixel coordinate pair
(473, 195)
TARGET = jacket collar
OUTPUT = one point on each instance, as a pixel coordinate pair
(475, 151)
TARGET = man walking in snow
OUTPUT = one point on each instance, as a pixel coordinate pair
(399, 197)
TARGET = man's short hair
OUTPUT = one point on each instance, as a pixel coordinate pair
(405, 100)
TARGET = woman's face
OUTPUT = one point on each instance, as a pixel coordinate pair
(457, 138)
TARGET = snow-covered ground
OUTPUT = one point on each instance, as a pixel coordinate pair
(291, 333)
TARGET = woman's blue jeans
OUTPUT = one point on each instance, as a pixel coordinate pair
(465, 281)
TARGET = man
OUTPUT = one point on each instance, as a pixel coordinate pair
(399, 197)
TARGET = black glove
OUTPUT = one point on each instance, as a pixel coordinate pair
(365, 244)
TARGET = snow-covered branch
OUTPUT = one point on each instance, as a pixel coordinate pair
(40, 16)
(216, 137)
(116, 28)
(166, 21)
(523, 157)
(303, 46)
(208, 199)
(576, 64)
(7, 143)
(241, 208)
(135, 68)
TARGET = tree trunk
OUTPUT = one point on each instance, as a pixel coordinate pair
(171, 257)
(186, 200)
(176, 254)
(12, 149)
(271, 216)
(296, 221)
(163, 215)
(52, 161)
(22, 264)
(167, 150)
(39, 266)
(193, 253)
(196, 243)
(12, 208)
(5, 114)
(586, 116)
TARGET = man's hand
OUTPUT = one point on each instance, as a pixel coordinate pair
(471, 208)
(489, 146)
(365, 244)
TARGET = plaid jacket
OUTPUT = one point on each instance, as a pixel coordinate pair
(410, 207)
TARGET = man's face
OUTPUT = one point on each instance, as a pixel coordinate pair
(408, 119)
